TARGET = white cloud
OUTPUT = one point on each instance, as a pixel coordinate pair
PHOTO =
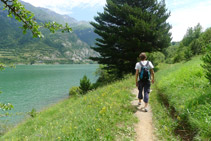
(188, 15)
(66, 3)
(172, 3)
(66, 6)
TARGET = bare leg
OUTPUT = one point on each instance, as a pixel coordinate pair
(145, 106)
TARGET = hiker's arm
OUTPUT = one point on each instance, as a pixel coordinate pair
(152, 75)
(137, 77)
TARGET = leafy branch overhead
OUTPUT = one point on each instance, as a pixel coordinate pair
(16, 9)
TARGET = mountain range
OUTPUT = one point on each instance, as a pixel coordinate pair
(15, 47)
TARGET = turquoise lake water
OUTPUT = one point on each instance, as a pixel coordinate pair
(39, 86)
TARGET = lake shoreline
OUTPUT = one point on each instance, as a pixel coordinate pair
(41, 86)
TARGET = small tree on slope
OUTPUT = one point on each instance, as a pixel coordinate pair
(85, 84)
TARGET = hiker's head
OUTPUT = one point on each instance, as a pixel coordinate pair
(143, 56)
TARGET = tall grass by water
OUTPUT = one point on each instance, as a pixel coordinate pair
(103, 114)
(181, 102)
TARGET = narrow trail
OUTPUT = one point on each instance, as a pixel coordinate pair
(144, 128)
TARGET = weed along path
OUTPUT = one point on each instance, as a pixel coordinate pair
(144, 128)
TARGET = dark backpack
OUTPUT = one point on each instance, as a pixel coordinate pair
(144, 74)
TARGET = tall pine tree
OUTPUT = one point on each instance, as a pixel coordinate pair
(128, 27)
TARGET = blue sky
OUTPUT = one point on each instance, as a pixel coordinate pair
(184, 13)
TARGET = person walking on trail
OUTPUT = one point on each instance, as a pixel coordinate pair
(144, 74)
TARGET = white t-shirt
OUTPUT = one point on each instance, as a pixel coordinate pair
(138, 65)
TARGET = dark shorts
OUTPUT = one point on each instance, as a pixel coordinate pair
(146, 87)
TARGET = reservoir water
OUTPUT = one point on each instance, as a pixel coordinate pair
(38, 86)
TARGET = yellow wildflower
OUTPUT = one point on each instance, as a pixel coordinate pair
(98, 129)
(182, 107)
(102, 110)
(178, 118)
(166, 128)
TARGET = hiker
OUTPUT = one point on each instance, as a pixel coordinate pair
(144, 73)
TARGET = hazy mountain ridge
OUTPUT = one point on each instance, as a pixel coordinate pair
(54, 48)
(83, 29)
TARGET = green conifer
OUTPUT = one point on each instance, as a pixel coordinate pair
(128, 27)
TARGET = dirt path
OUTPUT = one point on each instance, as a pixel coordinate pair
(144, 129)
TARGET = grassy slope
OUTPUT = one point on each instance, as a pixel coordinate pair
(104, 114)
(187, 93)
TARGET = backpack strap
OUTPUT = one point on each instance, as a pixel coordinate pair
(141, 64)
(147, 64)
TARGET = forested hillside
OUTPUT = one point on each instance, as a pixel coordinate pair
(54, 48)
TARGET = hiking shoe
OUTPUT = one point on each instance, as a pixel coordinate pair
(139, 103)
(145, 110)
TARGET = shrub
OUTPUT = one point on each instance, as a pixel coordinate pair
(33, 113)
(196, 47)
(188, 54)
(180, 56)
(156, 57)
(170, 53)
(207, 63)
(85, 84)
(2, 66)
(74, 91)
(104, 77)
(205, 39)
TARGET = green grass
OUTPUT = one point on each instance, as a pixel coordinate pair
(180, 101)
(103, 114)
(164, 124)
(188, 95)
